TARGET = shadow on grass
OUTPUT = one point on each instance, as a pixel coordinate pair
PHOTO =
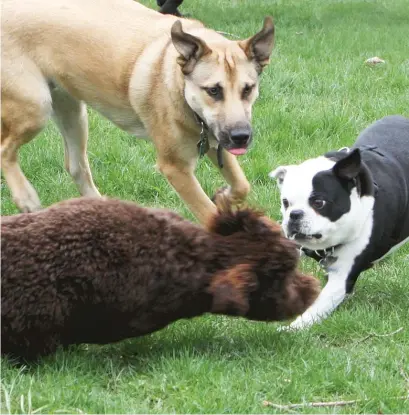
(220, 339)
(211, 338)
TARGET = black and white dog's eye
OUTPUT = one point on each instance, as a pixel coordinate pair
(318, 203)
(285, 203)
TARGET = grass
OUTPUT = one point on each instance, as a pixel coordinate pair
(316, 95)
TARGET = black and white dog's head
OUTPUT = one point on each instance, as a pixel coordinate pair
(325, 201)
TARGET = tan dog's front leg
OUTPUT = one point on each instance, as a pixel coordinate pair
(183, 180)
(233, 174)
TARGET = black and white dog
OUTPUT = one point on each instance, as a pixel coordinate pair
(169, 7)
(349, 208)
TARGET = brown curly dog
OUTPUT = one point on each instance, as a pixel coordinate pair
(93, 270)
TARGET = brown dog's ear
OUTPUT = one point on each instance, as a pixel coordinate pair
(231, 289)
(302, 291)
(259, 47)
(190, 47)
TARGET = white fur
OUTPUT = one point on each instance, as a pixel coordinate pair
(296, 187)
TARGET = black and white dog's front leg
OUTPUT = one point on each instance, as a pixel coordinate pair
(342, 275)
(331, 296)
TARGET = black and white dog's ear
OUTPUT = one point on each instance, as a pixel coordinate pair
(349, 167)
(279, 174)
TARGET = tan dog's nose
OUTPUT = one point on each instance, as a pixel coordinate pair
(240, 136)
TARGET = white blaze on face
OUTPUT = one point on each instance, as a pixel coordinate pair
(296, 186)
(297, 189)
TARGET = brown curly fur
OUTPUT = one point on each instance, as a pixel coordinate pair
(93, 270)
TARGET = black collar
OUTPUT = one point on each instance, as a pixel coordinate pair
(203, 144)
(325, 257)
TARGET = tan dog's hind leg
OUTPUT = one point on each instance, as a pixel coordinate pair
(25, 109)
(233, 174)
(71, 119)
(23, 193)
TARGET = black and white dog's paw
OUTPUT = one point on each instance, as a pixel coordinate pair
(303, 322)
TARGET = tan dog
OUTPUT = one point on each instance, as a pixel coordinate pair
(141, 70)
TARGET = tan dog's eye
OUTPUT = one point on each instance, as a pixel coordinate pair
(215, 92)
(247, 90)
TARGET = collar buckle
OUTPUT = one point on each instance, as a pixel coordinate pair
(203, 145)
(325, 257)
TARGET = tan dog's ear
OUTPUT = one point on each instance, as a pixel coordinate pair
(190, 47)
(259, 47)
(231, 289)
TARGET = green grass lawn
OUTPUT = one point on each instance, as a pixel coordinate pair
(316, 95)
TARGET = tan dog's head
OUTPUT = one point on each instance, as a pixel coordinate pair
(221, 80)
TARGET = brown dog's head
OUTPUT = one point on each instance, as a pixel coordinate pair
(263, 283)
(221, 80)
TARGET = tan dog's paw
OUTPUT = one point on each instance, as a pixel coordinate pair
(227, 193)
(27, 200)
(222, 192)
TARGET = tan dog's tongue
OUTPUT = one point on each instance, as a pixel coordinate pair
(237, 151)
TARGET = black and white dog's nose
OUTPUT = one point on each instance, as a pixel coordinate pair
(296, 214)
